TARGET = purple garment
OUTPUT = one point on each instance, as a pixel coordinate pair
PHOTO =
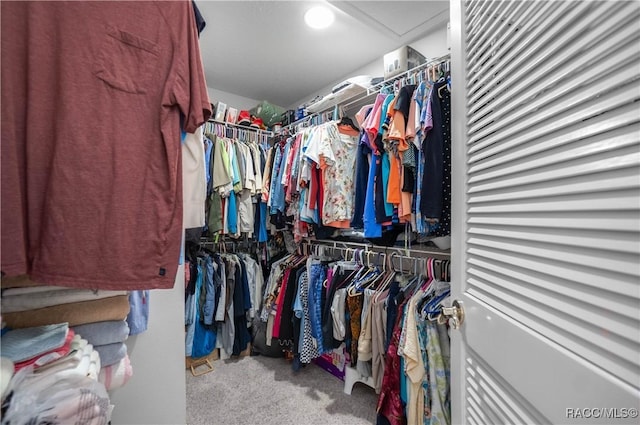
(329, 279)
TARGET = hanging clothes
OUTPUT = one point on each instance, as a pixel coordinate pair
(223, 294)
(331, 180)
(235, 195)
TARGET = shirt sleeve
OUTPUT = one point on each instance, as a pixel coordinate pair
(189, 90)
(313, 149)
(330, 137)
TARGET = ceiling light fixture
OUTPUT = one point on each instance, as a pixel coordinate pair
(319, 17)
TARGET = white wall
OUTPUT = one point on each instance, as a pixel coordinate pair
(156, 393)
(232, 100)
(433, 45)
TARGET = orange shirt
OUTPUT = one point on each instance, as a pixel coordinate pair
(394, 187)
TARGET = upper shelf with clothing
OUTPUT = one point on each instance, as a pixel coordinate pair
(353, 96)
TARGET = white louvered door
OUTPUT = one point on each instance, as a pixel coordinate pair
(546, 211)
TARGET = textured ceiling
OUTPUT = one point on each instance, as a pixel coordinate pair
(263, 50)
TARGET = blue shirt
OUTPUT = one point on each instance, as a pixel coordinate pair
(372, 229)
(232, 213)
(274, 184)
(138, 316)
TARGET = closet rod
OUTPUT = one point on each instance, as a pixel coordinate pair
(407, 73)
(232, 243)
(389, 256)
(305, 120)
(381, 85)
(419, 253)
(243, 127)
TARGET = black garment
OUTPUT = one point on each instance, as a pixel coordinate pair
(193, 235)
(286, 326)
(200, 22)
(445, 217)
(245, 285)
(362, 175)
(257, 217)
(279, 220)
(240, 302)
(392, 311)
(347, 328)
(389, 235)
(382, 420)
(433, 148)
(403, 102)
(193, 276)
(409, 179)
(323, 232)
(340, 278)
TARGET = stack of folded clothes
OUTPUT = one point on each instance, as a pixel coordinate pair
(108, 339)
(31, 306)
(50, 375)
(98, 317)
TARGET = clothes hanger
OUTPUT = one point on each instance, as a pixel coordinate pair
(379, 277)
(413, 284)
(433, 308)
(391, 274)
(386, 280)
(360, 284)
(363, 275)
(381, 264)
(427, 268)
(346, 282)
(430, 305)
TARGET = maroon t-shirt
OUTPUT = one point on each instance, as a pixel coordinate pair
(92, 94)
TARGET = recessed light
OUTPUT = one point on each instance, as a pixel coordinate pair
(319, 17)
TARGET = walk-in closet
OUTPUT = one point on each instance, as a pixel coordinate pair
(320, 212)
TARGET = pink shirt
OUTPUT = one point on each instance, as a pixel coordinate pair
(372, 123)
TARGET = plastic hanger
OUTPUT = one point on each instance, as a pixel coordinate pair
(379, 269)
(386, 281)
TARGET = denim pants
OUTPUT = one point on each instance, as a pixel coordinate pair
(318, 274)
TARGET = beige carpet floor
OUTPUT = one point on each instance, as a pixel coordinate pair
(266, 391)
